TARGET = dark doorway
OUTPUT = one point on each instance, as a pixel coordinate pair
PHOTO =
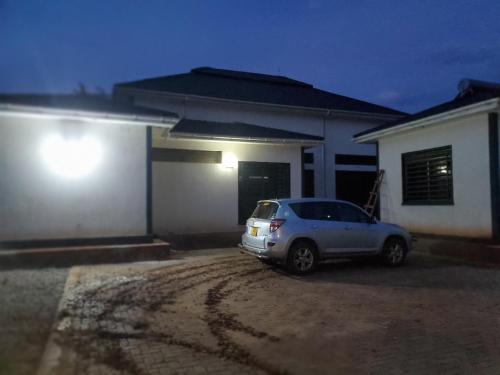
(259, 180)
(354, 186)
(308, 183)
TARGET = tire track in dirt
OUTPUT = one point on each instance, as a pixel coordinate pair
(163, 285)
(221, 322)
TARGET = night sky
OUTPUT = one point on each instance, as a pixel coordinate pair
(404, 54)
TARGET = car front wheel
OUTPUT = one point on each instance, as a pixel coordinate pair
(302, 258)
(394, 252)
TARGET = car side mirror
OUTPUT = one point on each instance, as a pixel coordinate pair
(373, 220)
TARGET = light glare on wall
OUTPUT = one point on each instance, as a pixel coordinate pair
(71, 157)
(229, 160)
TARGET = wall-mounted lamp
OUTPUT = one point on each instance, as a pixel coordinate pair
(229, 160)
(71, 157)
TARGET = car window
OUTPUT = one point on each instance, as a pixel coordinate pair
(330, 211)
(306, 210)
(315, 210)
(349, 213)
(265, 210)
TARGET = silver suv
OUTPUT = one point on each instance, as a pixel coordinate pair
(301, 232)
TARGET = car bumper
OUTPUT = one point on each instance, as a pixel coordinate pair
(276, 251)
(258, 253)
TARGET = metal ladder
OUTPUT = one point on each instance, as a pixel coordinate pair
(373, 197)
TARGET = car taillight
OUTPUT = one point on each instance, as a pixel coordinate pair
(275, 224)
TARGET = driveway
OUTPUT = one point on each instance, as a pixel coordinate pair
(28, 305)
(220, 312)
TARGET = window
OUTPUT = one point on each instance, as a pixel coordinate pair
(265, 210)
(427, 177)
(329, 211)
(351, 214)
(315, 210)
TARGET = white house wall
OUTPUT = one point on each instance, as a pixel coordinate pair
(338, 131)
(37, 203)
(471, 213)
(203, 197)
(220, 111)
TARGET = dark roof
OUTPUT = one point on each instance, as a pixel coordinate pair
(236, 130)
(81, 102)
(460, 101)
(253, 87)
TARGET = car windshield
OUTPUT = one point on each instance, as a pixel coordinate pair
(265, 210)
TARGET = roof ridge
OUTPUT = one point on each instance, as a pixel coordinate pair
(362, 101)
(250, 76)
(257, 88)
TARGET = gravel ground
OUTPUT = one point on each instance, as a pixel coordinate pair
(225, 313)
(28, 304)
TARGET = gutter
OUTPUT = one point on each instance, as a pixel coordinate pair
(108, 117)
(484, 106)
(322, 111)
(288, 141)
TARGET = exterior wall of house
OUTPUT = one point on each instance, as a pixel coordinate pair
(337, 131)
(39, 198)
(470, 215)
(338, 136)
(203, 197)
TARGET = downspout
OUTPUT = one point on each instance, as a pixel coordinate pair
(325, 190)
(149, 181)
(302, 189)
(494, 174)
(379, 200)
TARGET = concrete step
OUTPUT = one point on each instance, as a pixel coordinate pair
(82, 255)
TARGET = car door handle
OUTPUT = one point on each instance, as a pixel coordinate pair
(347, 228)
(314, 227)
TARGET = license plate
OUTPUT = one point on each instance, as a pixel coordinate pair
(253, 231)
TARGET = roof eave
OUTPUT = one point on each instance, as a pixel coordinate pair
(476, 108)
(324, 111)
(75, 114)
(275, 141)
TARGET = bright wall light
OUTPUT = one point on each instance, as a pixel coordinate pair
(229, 160)
(71, 157)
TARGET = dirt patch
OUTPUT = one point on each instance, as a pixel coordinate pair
(472, 251)
(128, 310)
(233, 314)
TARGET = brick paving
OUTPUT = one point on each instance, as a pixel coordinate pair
(28, 304)
(226, 313)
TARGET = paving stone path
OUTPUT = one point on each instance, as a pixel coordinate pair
(28, 305)
(227, 313)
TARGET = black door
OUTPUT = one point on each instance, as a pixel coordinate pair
(257, 181)
(354, 186)
(308, 190)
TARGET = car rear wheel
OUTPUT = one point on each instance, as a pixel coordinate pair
(394, 253)
(302, 258)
